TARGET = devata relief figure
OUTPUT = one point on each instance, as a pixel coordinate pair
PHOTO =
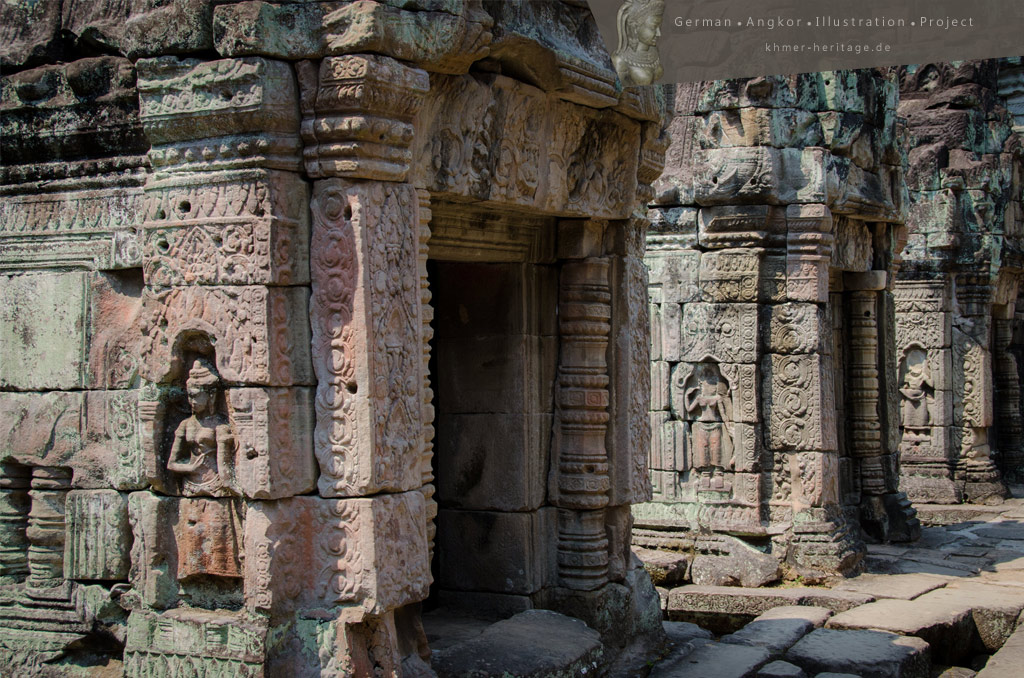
(708, 401)
(639, 27)
(203, 449)
(916, 387)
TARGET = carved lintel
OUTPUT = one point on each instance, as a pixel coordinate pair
(359, 121)
(367, 337)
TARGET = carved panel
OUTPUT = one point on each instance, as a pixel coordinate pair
(930, 329)
(674, 274)
(367, 344)
(924, 296)
(236, 228)
(798, 328)
(309, 552)
(482, 139)
(726, 332)
(261, 334)
(972, 382)
(729, 275)
(742, 390)
(800, 403)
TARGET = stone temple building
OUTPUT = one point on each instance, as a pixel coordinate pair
(773, 404)
(959, 337)
(834, 269)
(317, 320)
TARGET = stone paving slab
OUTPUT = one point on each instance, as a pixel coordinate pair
(994, 609)
(869, 654)
(683, 632)
(1009, 529)
(902, 586)
(555, 642)
(781, 669)
(881, 564)
(817, 616)
(774, 635)
(947, 627)
(713, 660)
(1008, 662)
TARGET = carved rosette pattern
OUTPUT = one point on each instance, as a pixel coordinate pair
(366, 337)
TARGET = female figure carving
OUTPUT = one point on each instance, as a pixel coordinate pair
(203, 448)
(709, 402)
(915, 389)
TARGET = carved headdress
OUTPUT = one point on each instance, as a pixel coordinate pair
(202, 374)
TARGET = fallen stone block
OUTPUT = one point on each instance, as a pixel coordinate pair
(667, 568)
(946, 627)
(1007, 662)
(869, 654)
(994, 608)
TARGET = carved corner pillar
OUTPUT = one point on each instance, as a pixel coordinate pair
(367, 337)
(973, 389)
(885, 513)
(581, 422)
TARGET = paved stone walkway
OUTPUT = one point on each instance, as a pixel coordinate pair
(949, 606)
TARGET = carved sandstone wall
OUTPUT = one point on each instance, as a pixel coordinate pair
(216, 394)
(773, 411)
(958, 332)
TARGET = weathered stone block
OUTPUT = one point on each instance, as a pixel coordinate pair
(972, 381)
(877, 653)
(675, 273)
(30, 31)
(498, 552)
(778, 127)
(43, 324)
(492, 461)
(729, 276)
(261, 334)
(250, 104)
(249, 227)
(95, 433)
(98, 535)
(154, 556)
(927, 329)
(313, 553)
(734, 225)
(797, 394)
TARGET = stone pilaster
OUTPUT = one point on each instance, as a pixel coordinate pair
(14, 509)
(1009, 419)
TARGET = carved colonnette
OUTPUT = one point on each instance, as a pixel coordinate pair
(771, 415)
(964, 228)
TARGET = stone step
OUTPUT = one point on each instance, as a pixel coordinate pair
(531, 643)
(707, 659)
(725, 609)
(948, 628)
(869, 654)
